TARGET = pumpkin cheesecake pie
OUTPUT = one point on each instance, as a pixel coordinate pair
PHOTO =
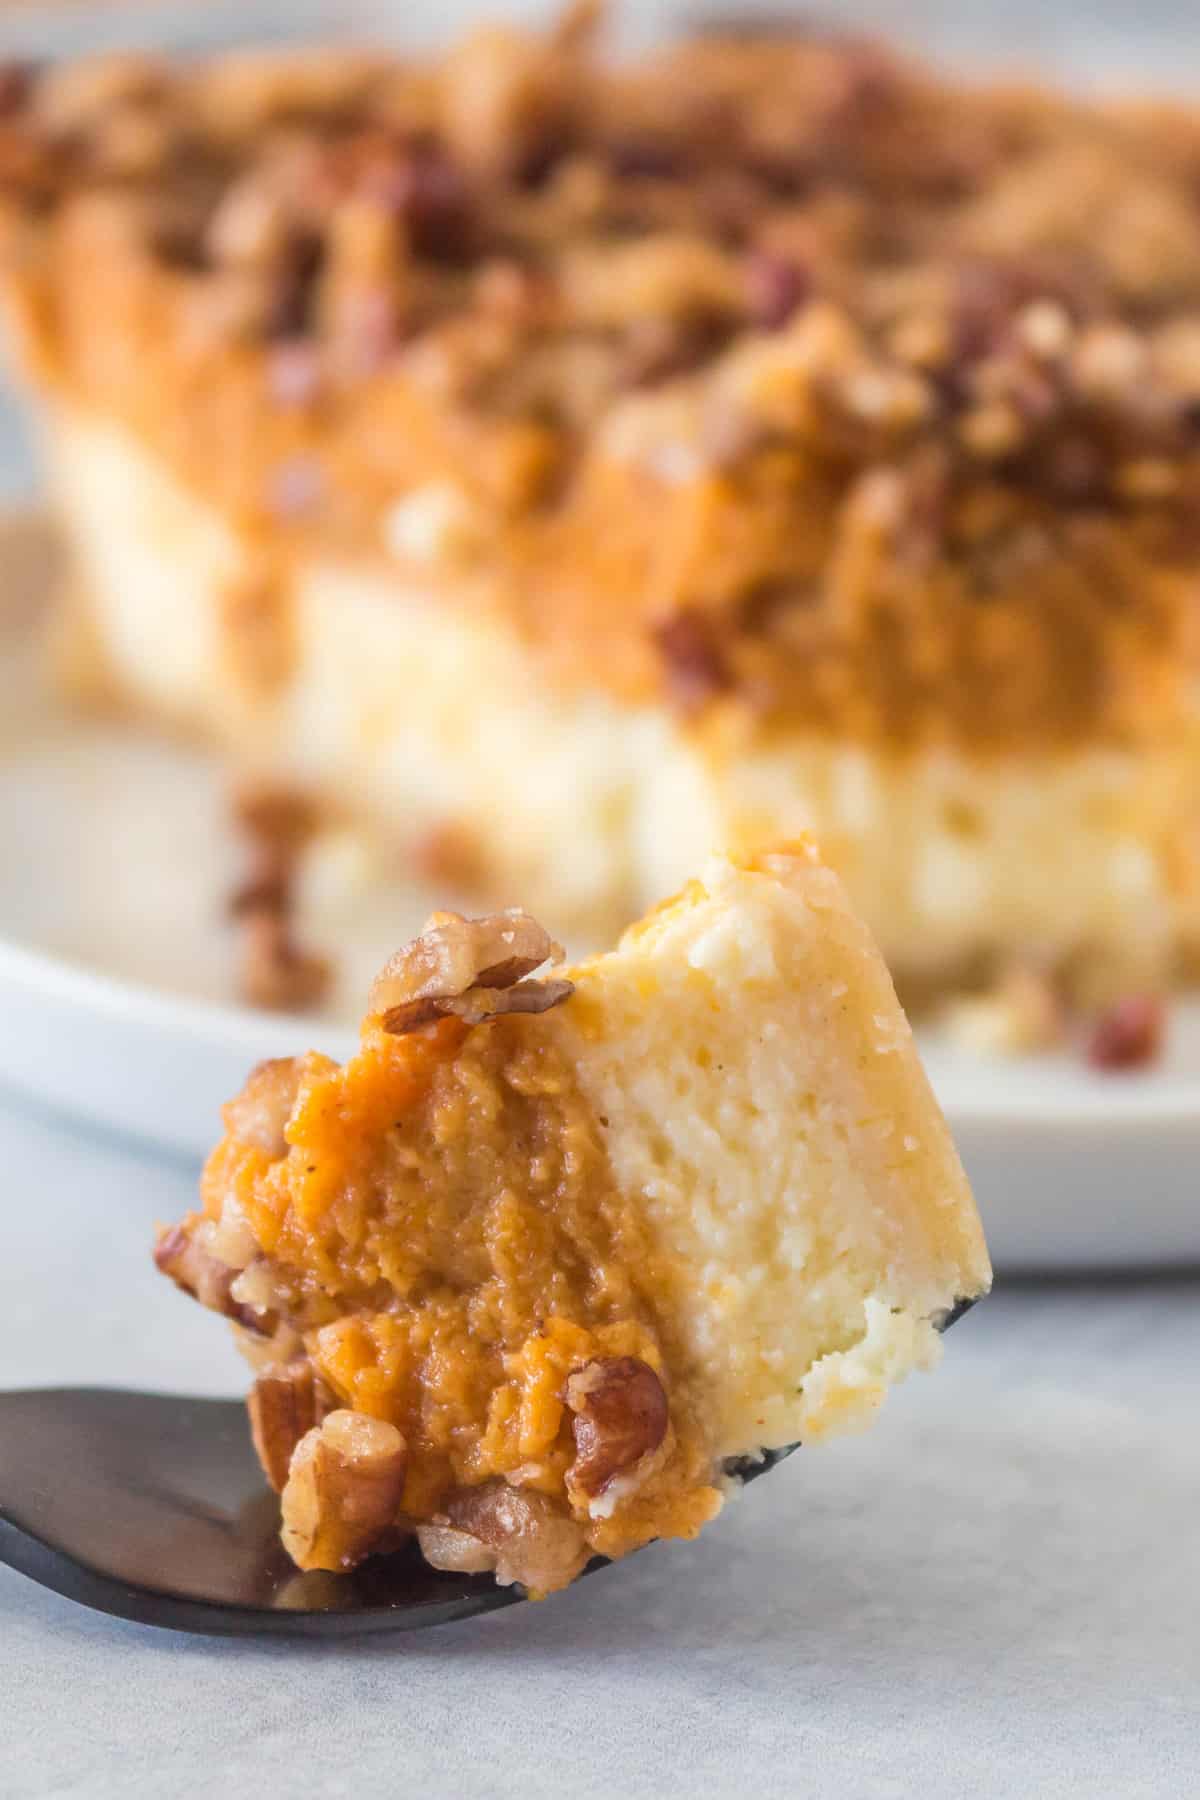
(556, 1256)
(521, 448)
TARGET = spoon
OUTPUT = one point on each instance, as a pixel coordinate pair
(153, 1507)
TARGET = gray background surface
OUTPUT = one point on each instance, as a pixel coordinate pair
(993, 1593)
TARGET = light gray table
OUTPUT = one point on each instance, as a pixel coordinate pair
(995, 1592)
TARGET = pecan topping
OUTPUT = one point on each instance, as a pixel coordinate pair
(424, 187)
(1023, 1010)
(179, 1254)
(276, 972)
(17, 80)
(516, 1532)
(694, 664)
(451, 853)
(789, 263)
(343, 1490)
(284, 1405)
(1130, 1034)
(775, 288)
(621, 1419)
(457, 1552)
(293, 373)
(471, 968)
(259, 1113)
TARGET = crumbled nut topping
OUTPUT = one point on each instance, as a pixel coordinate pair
(516, 1532)
(1023, 1010)
(1129, 1035)
(343, 1491)
(284, 1405)
(620, 1418)
(695, 665)
(275, 971)
(474, 969)
(784, 268)
(1028, 1009)
(180, 1253)
(259, 1113)
(451, 855)
(457, 1552)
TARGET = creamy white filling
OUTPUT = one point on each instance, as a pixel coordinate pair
(762, 1096)
(413, 712)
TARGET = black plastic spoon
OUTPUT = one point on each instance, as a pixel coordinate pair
(153, 1507)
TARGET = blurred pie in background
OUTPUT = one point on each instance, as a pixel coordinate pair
(562, 467)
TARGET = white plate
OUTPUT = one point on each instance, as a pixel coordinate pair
(115, 996)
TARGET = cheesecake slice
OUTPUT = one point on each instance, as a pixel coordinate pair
(520, 446)
(536, 1271)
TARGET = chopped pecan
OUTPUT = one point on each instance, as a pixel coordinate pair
(1022, 1011)
(620, 1420)
(452, 853)
(457, 1552)
(259, 1113)
(293, 373)
(472, 968)
(518, 1533)
(179, 1254)
(775, 288)
(294, 285)
(281, 816)
(251, 225)
(658, 349)
(343, 1490)
(425, 188)
(295, 487)
(695, 666)
(1130, 1034)
(284, 1405)
(275, 972)
(479, 1005)
(17, 82)
(73, 95)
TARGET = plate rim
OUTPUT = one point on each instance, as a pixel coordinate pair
(1091, 1100)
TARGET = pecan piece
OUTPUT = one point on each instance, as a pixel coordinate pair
(776, 287)
(1130, 1034)
(620, 1422)
(343, 1490)
(179, 1254)
(517, 1533)
(260, 1112)
(276, 972)
(695, 667)
(478, 1005)
(473, 968)
(284, 1404)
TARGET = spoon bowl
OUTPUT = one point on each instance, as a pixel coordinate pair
(153, 1507)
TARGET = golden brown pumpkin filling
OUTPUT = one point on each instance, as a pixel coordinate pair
(778, 373)
(443, 1231)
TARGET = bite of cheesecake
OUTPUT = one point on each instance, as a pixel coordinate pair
(536, 1270)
